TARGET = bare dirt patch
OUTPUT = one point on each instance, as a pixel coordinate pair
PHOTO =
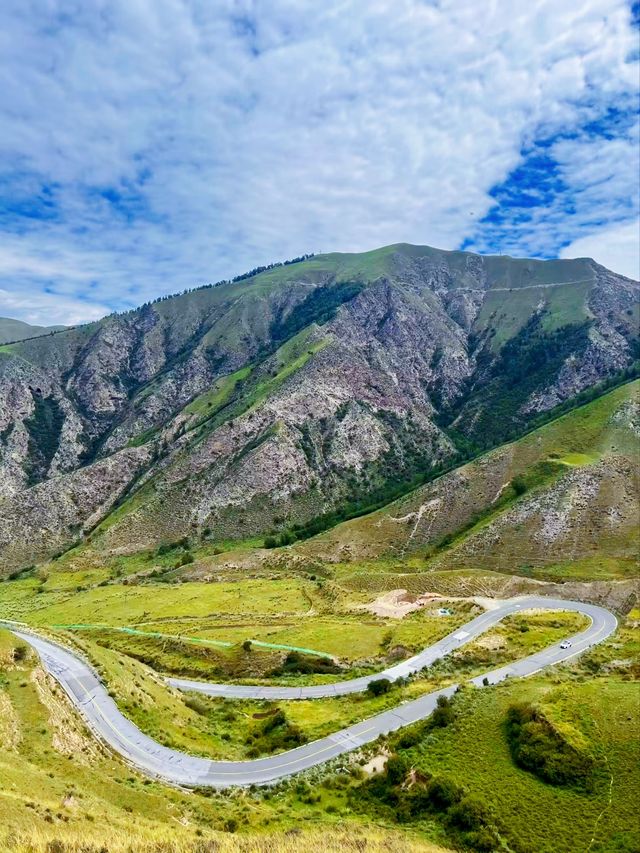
(376, 764)
(397, 603)
(492, 643)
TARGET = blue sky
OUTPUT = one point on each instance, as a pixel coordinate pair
(153, 145)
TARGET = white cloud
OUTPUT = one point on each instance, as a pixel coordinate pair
(150, 145)
(617, 248)
(46, 309)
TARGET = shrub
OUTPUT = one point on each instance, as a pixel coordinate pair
(519, 485)
(20, 653)
(443, 793)
(536, 746)
(396, 769)
(483, 839)
(387, 637)
(196, 704)
(276, 733)
(378, 687)
(443, 714)
(272, 722)
(295, 662)
(411, 737)
(469, 813)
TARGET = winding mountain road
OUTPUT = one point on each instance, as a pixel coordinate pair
(90, 697)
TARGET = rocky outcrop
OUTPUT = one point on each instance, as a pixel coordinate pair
(48, 517)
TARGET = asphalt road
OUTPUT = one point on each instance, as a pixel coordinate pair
(87, 693)
(603, 624)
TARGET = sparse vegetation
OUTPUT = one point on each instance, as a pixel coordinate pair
(524, 363)
(318, 307)
(44, 428)
(478, 525)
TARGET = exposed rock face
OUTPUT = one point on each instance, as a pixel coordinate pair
(580, 502)
(582, 513)
(278, 397)
(39, 521)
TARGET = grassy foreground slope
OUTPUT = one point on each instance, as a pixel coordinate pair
(59, 786)
(61, 793)
(560, 502)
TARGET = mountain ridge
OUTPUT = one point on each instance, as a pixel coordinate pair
(285, 393)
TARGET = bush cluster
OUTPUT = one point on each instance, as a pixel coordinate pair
(378, 686)
(276, 734)
(295, 662)
(406, 794)
(538, 747)
(410, 796)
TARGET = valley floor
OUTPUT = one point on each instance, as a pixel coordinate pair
(83, 790)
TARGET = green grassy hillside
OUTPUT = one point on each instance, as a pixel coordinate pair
(60, 787)
(62, 793)
(17, 330)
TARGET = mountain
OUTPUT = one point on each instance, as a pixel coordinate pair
(246, 407)
(560, 503)
(16, 330)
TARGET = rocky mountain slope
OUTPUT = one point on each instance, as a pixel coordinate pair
(564, 501)
(237, 409)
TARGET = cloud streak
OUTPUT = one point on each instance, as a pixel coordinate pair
(152, 146)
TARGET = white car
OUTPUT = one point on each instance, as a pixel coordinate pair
(565, 644)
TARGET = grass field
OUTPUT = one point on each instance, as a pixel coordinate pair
(353, 840)
(284, 611)
(603, 713)
(290, 611)
(59, 787)
(58, 784)
(137, 605)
